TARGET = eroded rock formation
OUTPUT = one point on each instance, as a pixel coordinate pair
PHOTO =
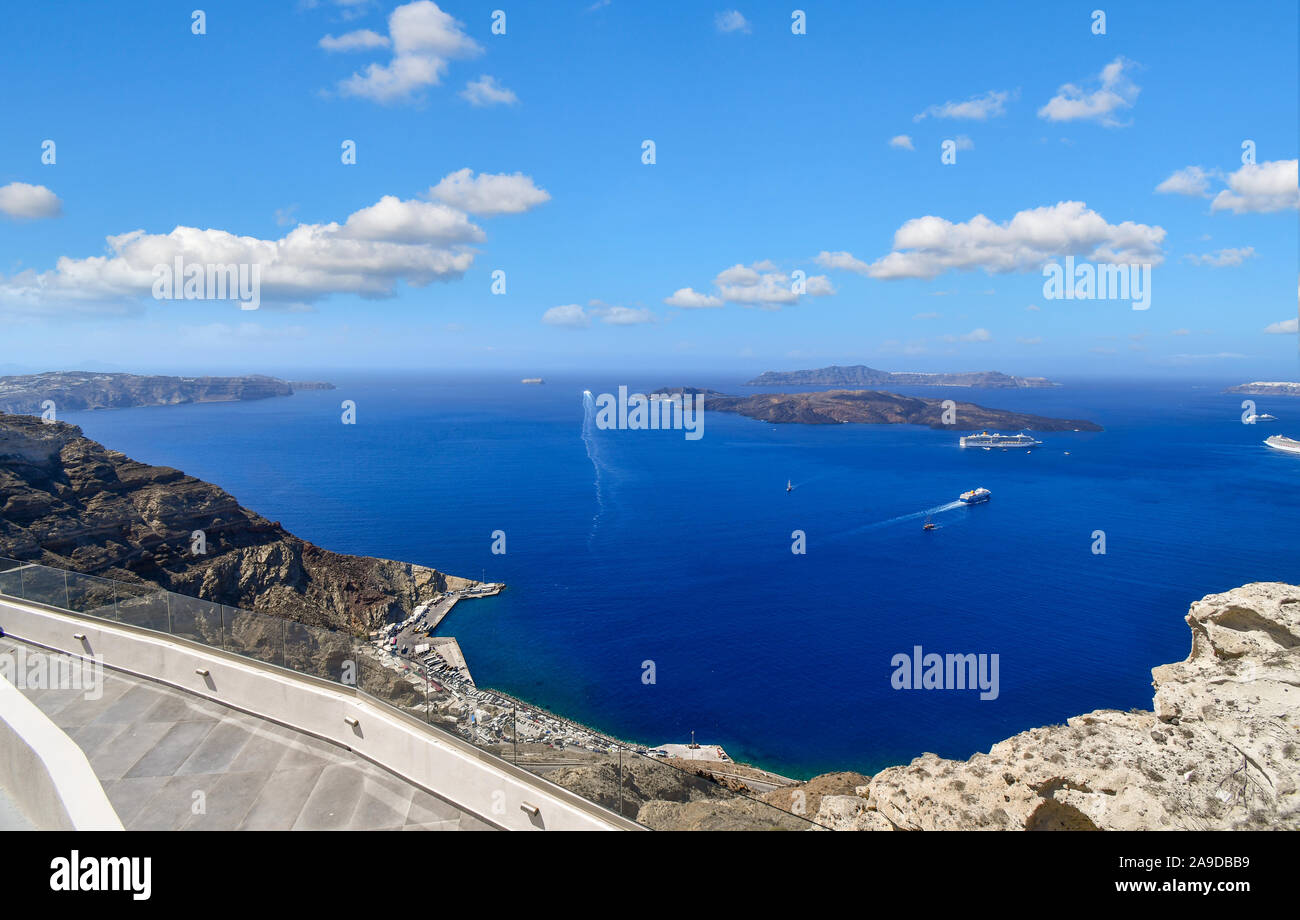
(67, 501)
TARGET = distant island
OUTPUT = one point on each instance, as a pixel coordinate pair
(859, 375)
(73, 391)
(1260, 388)
(872, 407)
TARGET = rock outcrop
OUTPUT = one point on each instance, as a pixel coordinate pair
(1220, 751)
(73, 391)
(874, 407)
(67, 501)
(859, 375)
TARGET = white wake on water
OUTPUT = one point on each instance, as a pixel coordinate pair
(928, 512)
(589, 439)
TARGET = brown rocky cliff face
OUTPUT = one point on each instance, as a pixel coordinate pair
(67, 501)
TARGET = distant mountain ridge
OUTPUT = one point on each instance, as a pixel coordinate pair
(73, 391)
(859, 375)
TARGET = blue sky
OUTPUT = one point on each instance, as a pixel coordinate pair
(775, 153)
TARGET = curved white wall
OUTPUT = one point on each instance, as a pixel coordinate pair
(44, 772)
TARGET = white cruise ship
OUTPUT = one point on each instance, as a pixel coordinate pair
(1286, 444)
(990, 441)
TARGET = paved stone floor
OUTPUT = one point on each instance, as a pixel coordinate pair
(173, 761)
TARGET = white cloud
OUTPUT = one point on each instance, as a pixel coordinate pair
(731, 21)
(1260, 188)
(18, 199)
(1035, 340)
(1190, 181)
(574, 316)
(1181, 332)
(925, 316)
(926, 247)
(424, 39)
(690, 299)
(762, 284)
(902, 142)
(842, 261)
(976, 108)
(368, 254)
(623, 316)
(975, 335)
(1285, 327)
(1222, 258)
(1074, 103)
(395, 220)
(489, 194)
(487, 91)
(964, 142)
(360, 40)
(568, 315)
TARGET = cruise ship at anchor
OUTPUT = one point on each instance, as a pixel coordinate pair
(990, 441)
(1282, 443)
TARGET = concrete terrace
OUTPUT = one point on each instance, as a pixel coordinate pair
(155, 749)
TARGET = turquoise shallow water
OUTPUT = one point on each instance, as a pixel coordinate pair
(683, 557)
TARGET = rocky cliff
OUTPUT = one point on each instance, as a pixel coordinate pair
(73, 391)
(67, 501)
(859, 375)
(1220, 750)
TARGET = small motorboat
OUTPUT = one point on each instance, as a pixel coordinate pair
(789, 486)
(929, 525)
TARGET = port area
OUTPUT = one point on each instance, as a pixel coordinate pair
(444, 692)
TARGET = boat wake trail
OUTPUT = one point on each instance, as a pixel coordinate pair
(928, 512)
(589, 439)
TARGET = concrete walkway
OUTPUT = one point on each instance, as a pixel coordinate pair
(173, 761)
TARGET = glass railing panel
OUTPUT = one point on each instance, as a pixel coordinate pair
(142, 605)
(319, 652)
(44, 585)
(11, 579)
(197, 620)
(91, 595)
(253, 635)
(392, 680)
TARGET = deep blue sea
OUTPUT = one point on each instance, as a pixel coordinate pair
(683, 556)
